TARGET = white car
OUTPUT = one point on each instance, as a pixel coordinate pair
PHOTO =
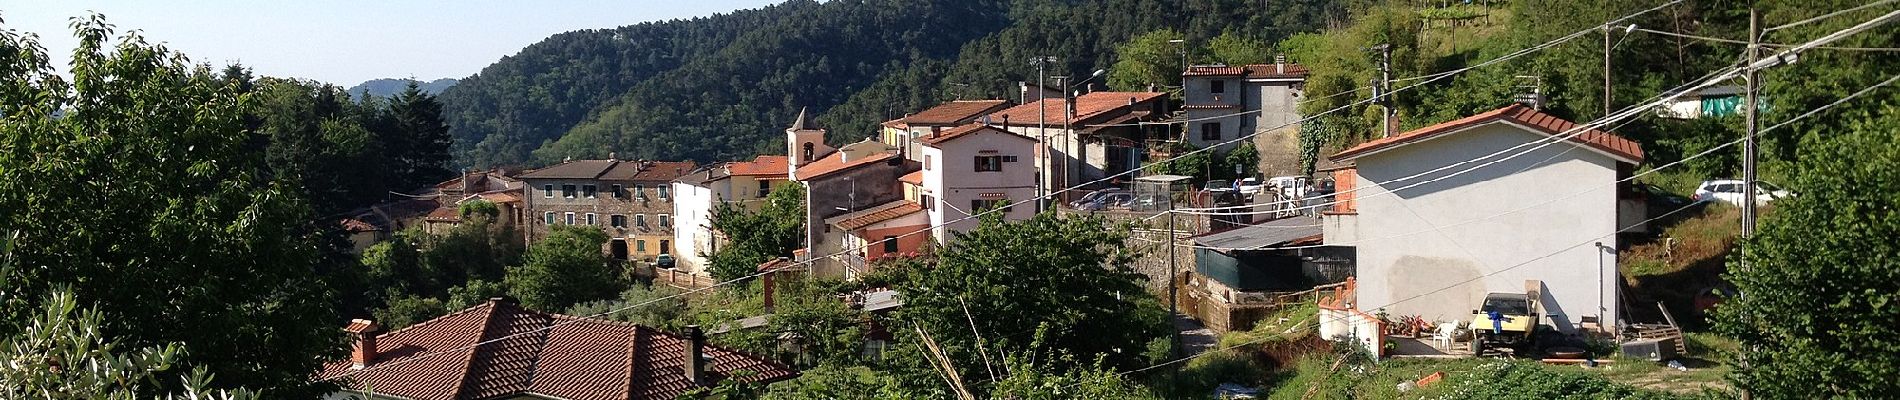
(1730, 191)
(1252, 186)
(1291, 187)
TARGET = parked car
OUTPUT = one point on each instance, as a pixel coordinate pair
(1091, 196)
(1106, 201)
(1730, 191)
(1252, 186)
(664, 261)
(1660, 201)
(1218, 185)
(1291, 187)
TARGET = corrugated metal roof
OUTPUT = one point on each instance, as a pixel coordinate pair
(1265, 234)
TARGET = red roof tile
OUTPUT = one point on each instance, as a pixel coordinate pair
(1516, 113)
(914, 178)
(763, 165)
(874, 215)
(1257, 71)
(618, 170)
(835, 162)
(961, 131)
(1092, 105)
(444, 214)
(952, 113)
(553, 355)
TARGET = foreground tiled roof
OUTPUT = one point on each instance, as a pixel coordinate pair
(1516, 113)
(1088, 106)
(578, 358)
(835, 162)
(619, 170)
(1258, 71)
(874, 215)
(952, 113)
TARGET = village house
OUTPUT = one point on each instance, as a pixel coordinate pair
(972, 168)
(742, 183)
(1227, 102)
(1097, 136)
(494, 186)
(849, 196)
(631, 200)
(499, 350)
(903, 132)
(1436, 249)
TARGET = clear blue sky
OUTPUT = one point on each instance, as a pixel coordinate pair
(347, 42)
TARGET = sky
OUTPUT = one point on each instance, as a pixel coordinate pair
(347, 42)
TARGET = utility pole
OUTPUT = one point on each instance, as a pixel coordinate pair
(1385, 90)
(1042, 132)
(1061, 176)
(1606, 70)
(1748, 152)
(1173, 282)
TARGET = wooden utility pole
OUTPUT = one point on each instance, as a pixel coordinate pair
(1606, 70)
(1385, 90)
(1749, 148)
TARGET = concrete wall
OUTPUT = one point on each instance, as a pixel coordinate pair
(1435, 250)
(693, 237)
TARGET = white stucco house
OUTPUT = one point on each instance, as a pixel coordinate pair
(697, 194)
(973, 167)
(1546, 219)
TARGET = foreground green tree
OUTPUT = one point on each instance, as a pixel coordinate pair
(1821, 290)
(132, 185)
(563, 269)
(757, 236)
(1070, 278)
(60, 354)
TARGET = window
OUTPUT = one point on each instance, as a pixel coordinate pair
(665, 192)
(981, 205)
(547, 191)
(570, 218)
(808, 152)
(1217, 86)
(590, 219)
(618, 191)
(617, 220)
(926, 162)
(890, 244)
(989, 163)
(640, 191)
(640, 246)
(567, 191)
(547, 218)
(1009, 158)
(666, 246)
(589, 190)
(765, 187)
(1210, 131)
(640, 220)
(930, 203)
(666, 221)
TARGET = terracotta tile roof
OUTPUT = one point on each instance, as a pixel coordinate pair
(914, 178)
(874, 215)
(962, 131)
(952, 113)
(577, 358)
(357, 225)
(446, 213)
(501, 196)
(482, 181)
(761, 166)
(1088, 106)
(618, 170)
(1540, 122)
(1256, 71)
(835, 162)
(1209, 106)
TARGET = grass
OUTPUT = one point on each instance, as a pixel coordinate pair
(1274, 328)
(1705, 237)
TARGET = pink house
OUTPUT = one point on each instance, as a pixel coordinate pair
(971, 168)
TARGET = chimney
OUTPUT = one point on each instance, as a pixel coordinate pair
(363, 352)
(466, 184)
(1005, 119)
(611, 155)
(1023, 93)
(695, 362)
(768, 283)
(1279, 63)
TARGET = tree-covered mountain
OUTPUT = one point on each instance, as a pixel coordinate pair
(722, 87)
(387, 87)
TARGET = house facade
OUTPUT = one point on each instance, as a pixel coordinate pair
(1092, 137)
(971, 168)
(698, 194)
(841, 181)
(1227, 102)
(630, 200)
(1543, 221)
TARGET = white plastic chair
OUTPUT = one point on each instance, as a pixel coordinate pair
(1443, 338)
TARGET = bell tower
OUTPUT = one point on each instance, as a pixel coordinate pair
(804, 143)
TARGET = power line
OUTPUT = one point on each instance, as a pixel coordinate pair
(808, 261)
(1825, 16)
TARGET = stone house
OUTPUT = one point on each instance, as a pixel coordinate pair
(1227, 102)
(841, 181)
(630, 200)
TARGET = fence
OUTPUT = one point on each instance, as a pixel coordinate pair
(1340, 319)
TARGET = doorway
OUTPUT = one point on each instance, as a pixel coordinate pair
(618, 247)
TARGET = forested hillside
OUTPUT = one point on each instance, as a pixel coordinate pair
(721, 87)
(387, 87)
